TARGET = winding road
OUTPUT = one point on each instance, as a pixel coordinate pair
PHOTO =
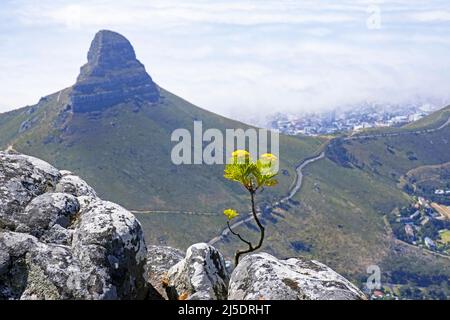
(295, 188)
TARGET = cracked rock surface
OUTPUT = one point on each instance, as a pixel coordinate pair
(201, 275)
(159, 260)
(264, 277)
(58, 240)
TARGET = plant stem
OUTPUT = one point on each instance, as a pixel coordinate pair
(260, 226)
(239, 236)
(255, 216)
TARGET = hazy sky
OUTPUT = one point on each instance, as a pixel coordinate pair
(238, 57)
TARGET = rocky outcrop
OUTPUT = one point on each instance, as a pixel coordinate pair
(112, 75)
(159, 260)
(201, 275)
(263, 277)
(59, 241)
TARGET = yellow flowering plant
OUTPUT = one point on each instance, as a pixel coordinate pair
(230, 213)
(252, 175)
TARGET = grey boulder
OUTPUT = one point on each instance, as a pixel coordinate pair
(70, 183)
(58, 240)
(264, 277)
(159, 260)
(110, 239)
(201, 275)
(46, 211)
(22, 178)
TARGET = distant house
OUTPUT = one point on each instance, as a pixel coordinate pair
(429, 243)
(421, 201)
(431, 213)
(409, 231)
(439, 191)
(378, 294)
(404, 220)
(416, 116)
(399, 119)
(424, 221)
(415, 215)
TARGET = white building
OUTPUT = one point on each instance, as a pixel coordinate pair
(429, 243)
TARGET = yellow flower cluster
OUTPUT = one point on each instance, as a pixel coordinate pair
(240, 154)
(230, 213)
(269, 157)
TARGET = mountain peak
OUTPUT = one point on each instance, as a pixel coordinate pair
(111, 49)
(111, 76)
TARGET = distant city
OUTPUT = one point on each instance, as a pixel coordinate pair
(367, 115)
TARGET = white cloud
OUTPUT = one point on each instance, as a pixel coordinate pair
(230, 56)
(432, 16)
(176, 12)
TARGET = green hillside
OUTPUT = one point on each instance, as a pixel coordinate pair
(429, 178)
(434, 120)
(124, 152)
(392, 155)
(393, 158)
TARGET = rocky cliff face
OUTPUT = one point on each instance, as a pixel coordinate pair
(112, 75)
(58, 240)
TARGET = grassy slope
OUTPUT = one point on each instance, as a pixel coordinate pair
(181, 230)
(125, 155)
(429, 177)
(392, 157)
(386, 160)
(432, 121)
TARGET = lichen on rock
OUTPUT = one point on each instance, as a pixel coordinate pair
(201, 275)
(262, 276)
(58, 240)
(159, 260)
